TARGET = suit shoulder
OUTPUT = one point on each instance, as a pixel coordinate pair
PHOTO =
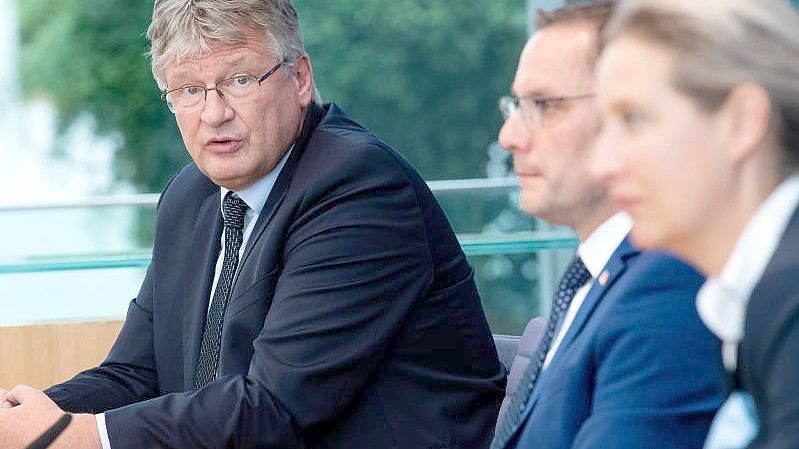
(653, 304)
(187, 185)
(662, 271)
(341, 147)
(655, 287)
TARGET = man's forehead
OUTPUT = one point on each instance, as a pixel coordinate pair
(249, 48)
(227, 55)
(556, 58)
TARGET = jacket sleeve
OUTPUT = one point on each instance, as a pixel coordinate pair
(127, 375)
(356, 259)
(650, 392)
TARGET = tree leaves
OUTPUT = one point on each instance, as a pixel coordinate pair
(422, 74)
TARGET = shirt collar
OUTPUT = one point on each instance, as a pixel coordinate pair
(722, 300)
(256, 194)
(595, 251)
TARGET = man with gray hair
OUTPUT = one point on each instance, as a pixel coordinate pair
(305, 291)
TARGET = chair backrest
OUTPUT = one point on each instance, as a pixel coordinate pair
(524, 348)
(506, 348)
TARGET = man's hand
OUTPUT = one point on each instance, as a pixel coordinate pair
(4, 403)
(26, 413)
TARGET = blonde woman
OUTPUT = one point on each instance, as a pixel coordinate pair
(700, 144)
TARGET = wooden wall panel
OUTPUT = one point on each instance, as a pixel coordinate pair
(42, 355)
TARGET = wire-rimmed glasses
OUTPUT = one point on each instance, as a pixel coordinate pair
(533, 107)
(238, 87)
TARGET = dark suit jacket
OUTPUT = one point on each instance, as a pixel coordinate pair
(768, 364)
(636, 369)
(353, 322)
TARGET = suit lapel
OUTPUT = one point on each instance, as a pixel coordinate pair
(312, 119)
(616, 266)
(760, 325)
(198, 278)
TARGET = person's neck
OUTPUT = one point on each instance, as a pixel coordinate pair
(710, 247)
(587, 225)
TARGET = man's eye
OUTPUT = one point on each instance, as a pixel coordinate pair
(542, 105)
(632, 118)
(241, 80)
(191, 90)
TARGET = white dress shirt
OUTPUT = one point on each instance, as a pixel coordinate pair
(722, 300)
(722, 303)
(255, 196)
(595, 252)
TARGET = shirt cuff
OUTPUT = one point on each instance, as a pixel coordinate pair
(104, 441)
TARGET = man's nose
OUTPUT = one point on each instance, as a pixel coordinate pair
(513, 134)
(216, 110)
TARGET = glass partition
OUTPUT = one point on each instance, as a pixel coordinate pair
(85, 261)
(81, 115)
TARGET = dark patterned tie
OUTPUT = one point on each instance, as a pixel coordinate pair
(575, 277)
(233, 211)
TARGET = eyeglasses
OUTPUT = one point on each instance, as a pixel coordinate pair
(534, 108)
(237, 88)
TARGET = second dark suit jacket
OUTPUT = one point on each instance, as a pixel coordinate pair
(353, 320)
(636, 369)
(768, 364)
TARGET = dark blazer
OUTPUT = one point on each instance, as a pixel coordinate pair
(353, 322)
(636, 369)
(768, 359)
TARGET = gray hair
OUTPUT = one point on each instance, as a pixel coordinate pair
(185, 28)
(721, 44)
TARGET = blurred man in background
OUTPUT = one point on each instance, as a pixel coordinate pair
(624, 361)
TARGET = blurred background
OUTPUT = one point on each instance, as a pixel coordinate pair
(86, 144)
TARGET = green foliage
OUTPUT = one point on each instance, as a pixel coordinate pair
(422, 74)
(87, 56)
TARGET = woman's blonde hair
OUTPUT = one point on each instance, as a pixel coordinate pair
(723, 43)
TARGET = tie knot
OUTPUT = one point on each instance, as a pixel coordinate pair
(575, 277)
(233, 210)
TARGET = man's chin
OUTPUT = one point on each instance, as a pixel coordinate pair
(227, 180)
(533, 205)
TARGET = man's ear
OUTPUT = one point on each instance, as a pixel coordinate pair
(303, 77)
(747, 113)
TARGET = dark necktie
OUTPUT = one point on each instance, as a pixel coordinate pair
(233, 211)
(574, 278)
